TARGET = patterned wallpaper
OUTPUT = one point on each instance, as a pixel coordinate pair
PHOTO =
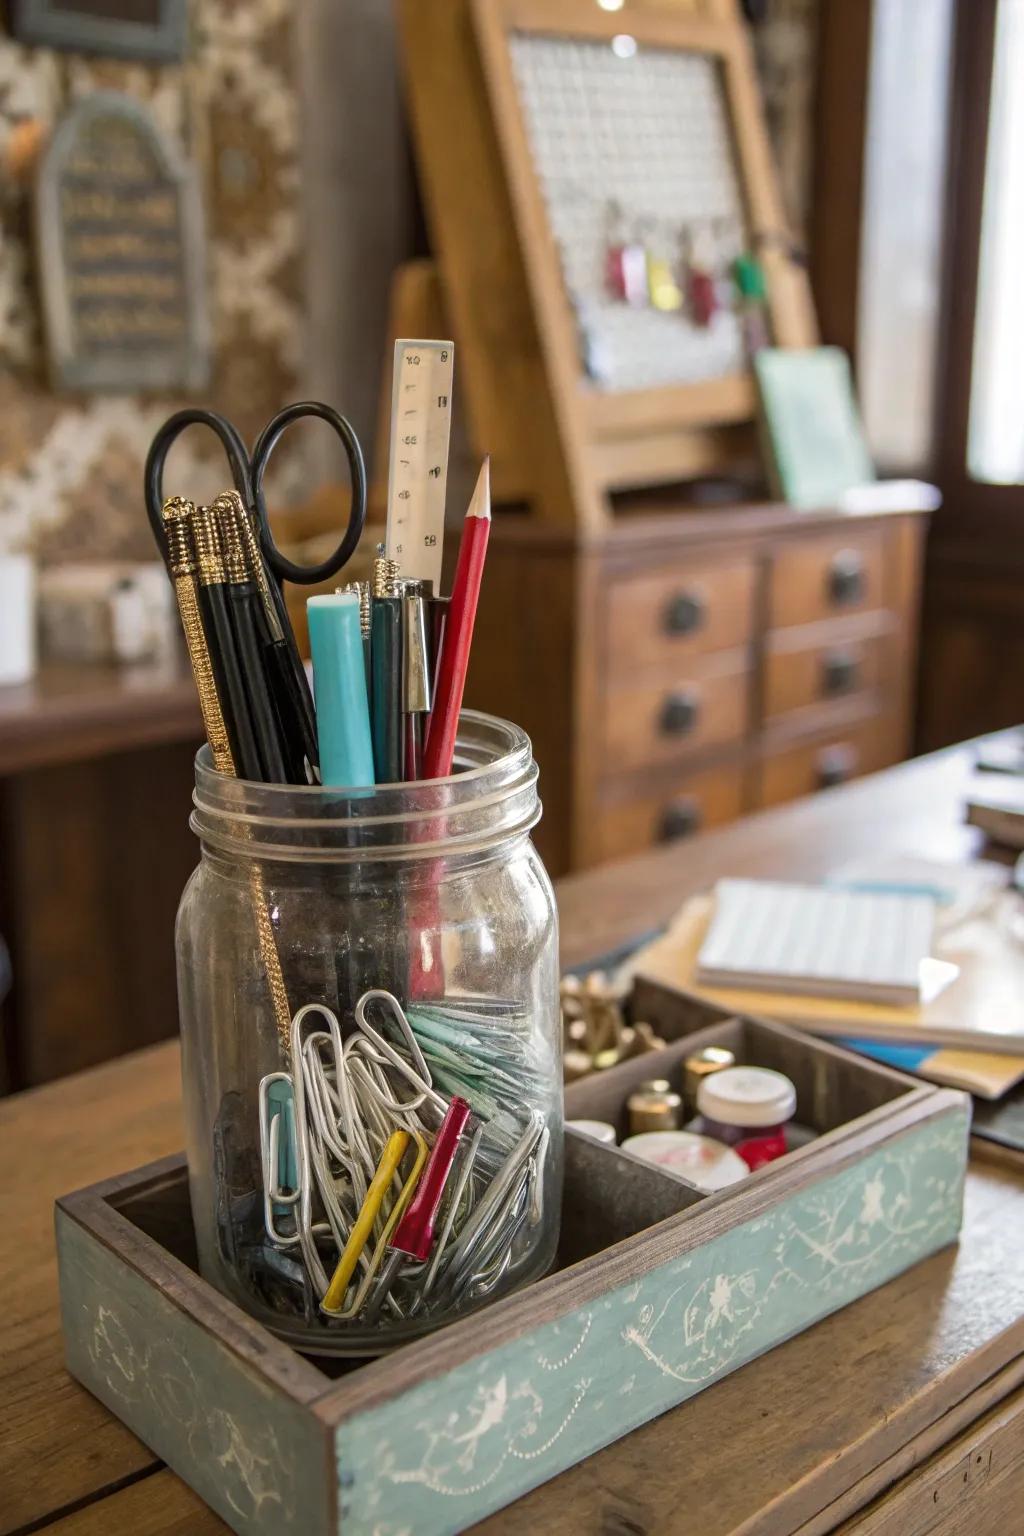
(71, 466)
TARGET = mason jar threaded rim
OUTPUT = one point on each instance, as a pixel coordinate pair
(491, 800)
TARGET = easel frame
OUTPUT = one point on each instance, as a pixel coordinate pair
(610, 427)
(554, 440)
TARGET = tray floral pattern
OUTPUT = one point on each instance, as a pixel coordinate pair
(455, 1449)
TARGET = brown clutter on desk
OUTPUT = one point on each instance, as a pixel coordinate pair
(595, 1032)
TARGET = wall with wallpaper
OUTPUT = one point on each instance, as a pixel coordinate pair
(292, 110)
(70, 466)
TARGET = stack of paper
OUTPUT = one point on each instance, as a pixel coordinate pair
(812, 939)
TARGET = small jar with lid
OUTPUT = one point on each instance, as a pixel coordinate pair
(748, 1108)
(654, 1106)
(701, 1064)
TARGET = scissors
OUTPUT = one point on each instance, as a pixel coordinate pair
(247, 473)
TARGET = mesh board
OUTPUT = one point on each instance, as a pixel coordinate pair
(651, 133)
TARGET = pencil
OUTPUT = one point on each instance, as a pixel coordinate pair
(248, 623)
(220, 638)
(178, 519)
(439, 752)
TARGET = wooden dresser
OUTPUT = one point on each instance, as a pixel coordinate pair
(686, 667)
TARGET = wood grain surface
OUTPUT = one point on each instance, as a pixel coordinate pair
(783, 1436)
(59, 1445)
(70, 713)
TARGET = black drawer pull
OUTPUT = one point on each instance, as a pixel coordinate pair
(840, 673)
(679, 714)
(836, 765)
(846, 578)
(684, 614)
(680, 819)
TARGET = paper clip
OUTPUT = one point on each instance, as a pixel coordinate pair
(390, 1158)
(413, 1236)
(385, 1238)
(279, 1154)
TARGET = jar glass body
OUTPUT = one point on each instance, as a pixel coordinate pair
(431, 892)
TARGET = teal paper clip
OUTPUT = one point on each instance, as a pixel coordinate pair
(282, 1099)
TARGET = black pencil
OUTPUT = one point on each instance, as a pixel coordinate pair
(224, 658)
(248, 620)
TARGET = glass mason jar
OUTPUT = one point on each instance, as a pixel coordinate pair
(371, 1047)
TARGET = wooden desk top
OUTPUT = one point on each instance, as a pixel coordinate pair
(793, 1443)
(70, 712)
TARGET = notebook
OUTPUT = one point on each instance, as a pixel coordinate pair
(984, 1073)
(773, 936)
(995, 803)
(979, 1008)
(816, 447)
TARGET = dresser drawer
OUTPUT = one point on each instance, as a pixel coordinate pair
(663, 722)
(691, 804)
(830, 670)
(829, 759)
(659, 619)
(817, 578)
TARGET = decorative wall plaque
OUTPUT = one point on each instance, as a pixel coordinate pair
(121, 253)
(133, 29)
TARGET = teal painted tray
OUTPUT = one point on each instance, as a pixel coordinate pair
(658, 1292)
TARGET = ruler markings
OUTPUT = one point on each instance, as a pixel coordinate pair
(418, 468)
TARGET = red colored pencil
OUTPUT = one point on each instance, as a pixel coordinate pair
(439, 751)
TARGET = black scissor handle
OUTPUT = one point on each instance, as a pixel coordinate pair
(163, 442)
(283, 568)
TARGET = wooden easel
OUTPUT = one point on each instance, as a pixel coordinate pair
(670, 661)
(554, 440)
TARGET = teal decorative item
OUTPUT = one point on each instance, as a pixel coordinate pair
(339, 677)
(813, 440)
(455, 1449)
(661, 1292)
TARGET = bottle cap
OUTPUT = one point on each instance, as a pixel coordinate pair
(701, 1160)
(713, 1058)
(747, 1097)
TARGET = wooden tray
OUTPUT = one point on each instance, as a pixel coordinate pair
(658, 1292)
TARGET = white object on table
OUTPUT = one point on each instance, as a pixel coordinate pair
(597, 1130)
(17, 618)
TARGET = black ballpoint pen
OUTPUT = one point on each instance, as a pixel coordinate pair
(248, 620)
(224, 658)
(386, 710)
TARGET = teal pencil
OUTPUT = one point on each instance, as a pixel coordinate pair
(339, 685)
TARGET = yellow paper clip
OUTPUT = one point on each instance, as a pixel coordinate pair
(390, 1158)
(407, 1191)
